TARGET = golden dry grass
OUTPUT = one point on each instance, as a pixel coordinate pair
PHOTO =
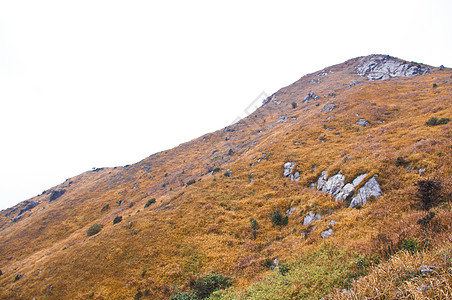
(193, 230)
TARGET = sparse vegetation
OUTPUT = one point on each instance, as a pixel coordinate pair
(190, 182)
(105, 208)
(428, 193)
(117, 219)
(94, 229)
(205, 286)
(294, 105)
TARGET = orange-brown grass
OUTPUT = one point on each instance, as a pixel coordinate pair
(205, 227)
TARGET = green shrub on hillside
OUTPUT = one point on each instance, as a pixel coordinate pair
(105, 208)
(278, 219)
(117, 219)
(150, 201)
(208, 284)
(183, 296)
(434, 121)
(95, 229)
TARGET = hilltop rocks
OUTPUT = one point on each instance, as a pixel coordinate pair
(370, 189)
(384, 67)
(56, 194)
(335, 186)
(311, 218)
(29, 206)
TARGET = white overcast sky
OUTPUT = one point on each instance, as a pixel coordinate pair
(106, 83)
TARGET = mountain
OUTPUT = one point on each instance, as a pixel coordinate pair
(338, 186)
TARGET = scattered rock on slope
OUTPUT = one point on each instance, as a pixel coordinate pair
(362, 122)
(370, 189)
(310, 218)
(29, 206)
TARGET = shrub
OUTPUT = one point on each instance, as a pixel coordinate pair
(205, 286)
(428, 193)
(410, 245)
(267, 263)
(227, 174)
(105, 208)
(1, 273)
(435, 85)
(278, 219)
(230, 152)
(294, 105)
(434, 121)
(95, 229)
(150, 201)
(400, 161)
(190, 182)
(216, 170)
(253, 223)
(117, 219)
(183, 296)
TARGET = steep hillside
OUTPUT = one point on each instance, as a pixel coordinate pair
(339, 153)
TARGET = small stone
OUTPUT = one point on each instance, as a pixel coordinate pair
(362, 122)
(290, 211)
(327, 233)
(310, 218)
(424, 270)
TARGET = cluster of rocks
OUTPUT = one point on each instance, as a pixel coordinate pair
(288, 169)
(335, 185)
(362, 122)
(385, 67)
(328, 107)
(310, 96)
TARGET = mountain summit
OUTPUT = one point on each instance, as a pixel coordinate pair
(337, 186)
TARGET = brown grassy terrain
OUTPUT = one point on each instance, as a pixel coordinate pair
(192, 230)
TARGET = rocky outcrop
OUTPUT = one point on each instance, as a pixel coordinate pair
(56, 194)
(28, 207)
(384, 67)
(310, 96)
(370, 189)
(335, 186)
(310, 218)
(288, 169)
(327, 233)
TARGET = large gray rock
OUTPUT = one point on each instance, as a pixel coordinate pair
(384, 67)
(370, 188)
(310, 218)
(333, 185)
(345, 193)
(56, 194)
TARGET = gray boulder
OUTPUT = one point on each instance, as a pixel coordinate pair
(359, 179)
(370, 188)
(310, 218)
(362, 122)
(56, 194)
(327, 233)
(345, 193)
(333, 185)
(328, 107)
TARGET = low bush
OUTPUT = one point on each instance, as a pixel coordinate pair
(434, 121)
(283, 269)
(278, 219)
(150, 201)
(95, 229)
(410, 245)
(253, 223)
(105, 208)
(428, 193)
(190, 182)
(117, 219)
(208, 284)
(216, 170)
(183, 296)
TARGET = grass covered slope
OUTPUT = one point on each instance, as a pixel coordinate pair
(206, 206)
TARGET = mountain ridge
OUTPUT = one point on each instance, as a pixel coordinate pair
(196, 224)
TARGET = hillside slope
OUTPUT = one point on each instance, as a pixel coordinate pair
(366, 116)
